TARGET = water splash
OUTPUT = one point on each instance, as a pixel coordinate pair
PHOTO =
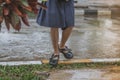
(4, 37)
(108, 23)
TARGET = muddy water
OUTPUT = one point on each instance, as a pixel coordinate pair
(112, 73)
(93, 37)
(85, 74)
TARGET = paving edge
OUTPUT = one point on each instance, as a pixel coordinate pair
(84, 61)
(93, 11)
(45, 61)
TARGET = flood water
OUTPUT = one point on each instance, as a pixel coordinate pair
(96, 38)
(93, 37)
(108, 73)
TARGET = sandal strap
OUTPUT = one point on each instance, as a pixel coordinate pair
(68, 48)
(54, 60)
(55, 57)
(65, 50)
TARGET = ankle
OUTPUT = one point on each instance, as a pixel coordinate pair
(61, 46)
(56, 53)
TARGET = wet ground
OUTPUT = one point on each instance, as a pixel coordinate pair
(93, 37)
(110, 73)
(98, 37)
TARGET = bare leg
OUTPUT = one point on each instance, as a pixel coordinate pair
(65, 35)
(55, 39)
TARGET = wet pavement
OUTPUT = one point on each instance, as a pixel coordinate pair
(98, 37)
(111, 73)
(93, 37)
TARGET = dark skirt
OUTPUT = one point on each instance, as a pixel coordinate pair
(58, 14)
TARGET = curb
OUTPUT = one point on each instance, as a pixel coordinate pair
(72, 61)
(92, 12)
(17, 63)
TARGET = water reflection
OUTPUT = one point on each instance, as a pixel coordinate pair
(96, 39)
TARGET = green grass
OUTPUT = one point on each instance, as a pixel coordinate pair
(27, 72)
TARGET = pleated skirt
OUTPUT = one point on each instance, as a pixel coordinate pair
(57, 15)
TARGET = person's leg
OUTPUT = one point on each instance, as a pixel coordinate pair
(65, 35)
(62, 47)
(55, 40)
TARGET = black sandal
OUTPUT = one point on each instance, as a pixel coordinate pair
(67, 52)
(54, 60)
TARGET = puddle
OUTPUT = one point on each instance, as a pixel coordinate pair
(110, 73)
(97, 40)
(85, 74)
